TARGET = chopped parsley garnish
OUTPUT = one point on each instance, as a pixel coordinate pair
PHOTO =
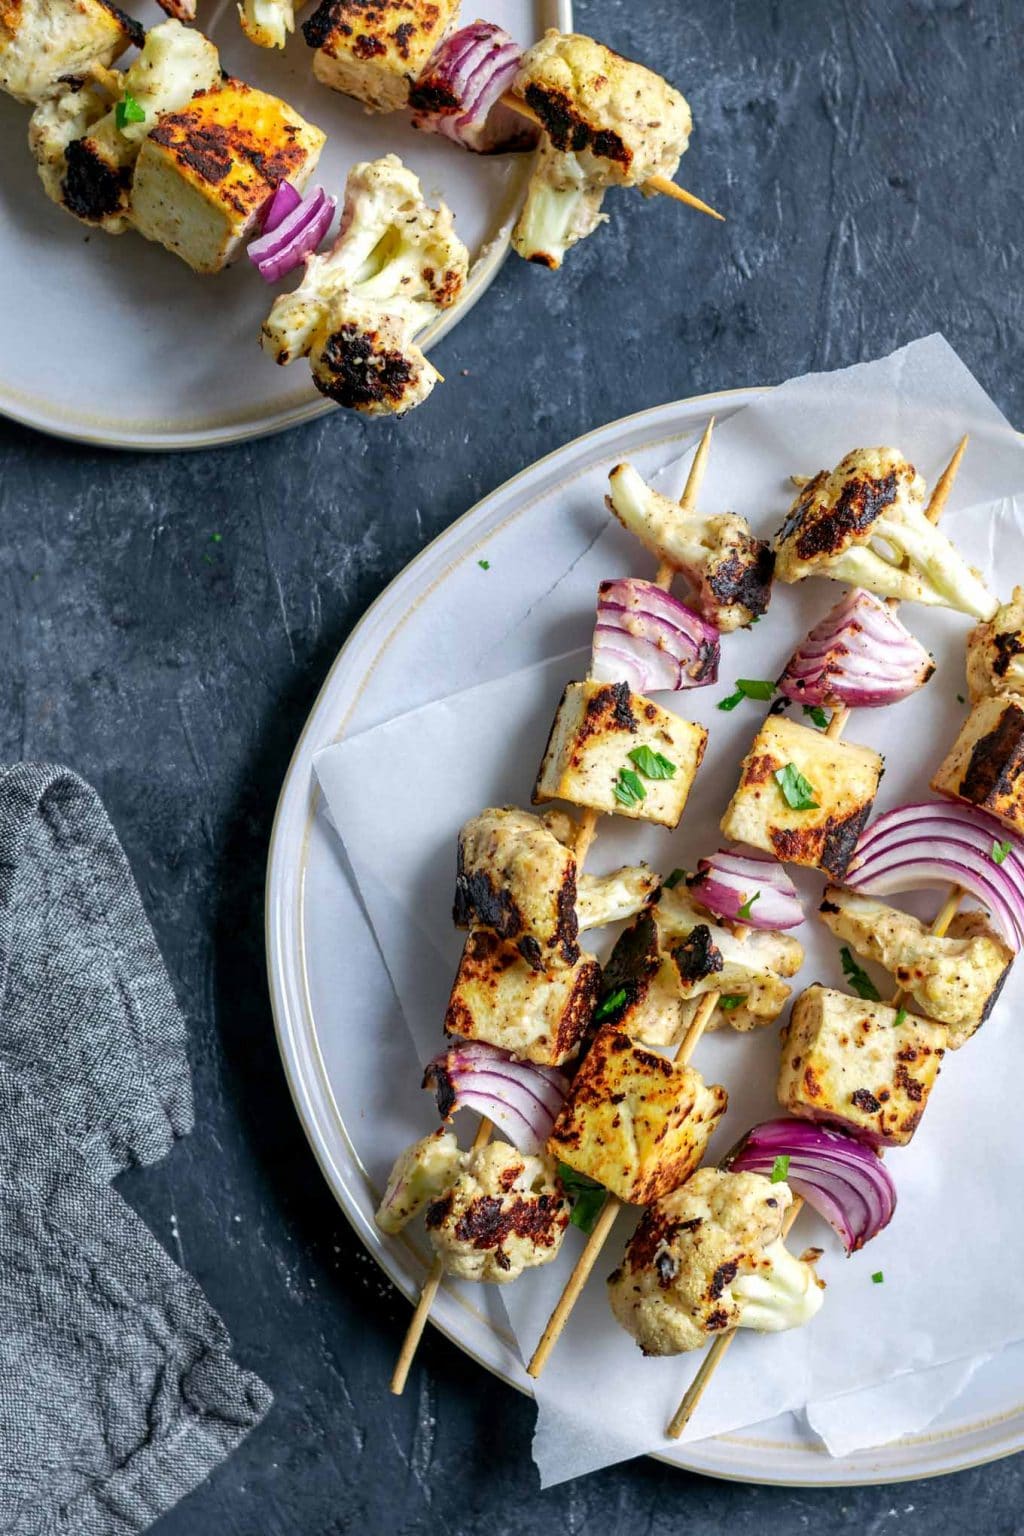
(748, 688)
(877, 1278)
(484, 565)
(731, 1000)
(629, 788)
(609, 1005)
(816, 714)
(653, 765)
(1000, 850)
(216, 538)
(587, 1197)
(745, 909)
(780, 1167)
(901, 1014)
(798, 791)
(128, 111)
(673, 879)
(858, 978)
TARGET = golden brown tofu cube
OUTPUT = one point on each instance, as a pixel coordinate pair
(985, 766)
(606, 748)
(375, 52)
(204, 174)
(636, 1122)
(843, 780)
(849, 1063)
(542, 1016)
(42, 41)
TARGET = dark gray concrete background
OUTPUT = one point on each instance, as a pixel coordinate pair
(869, 158)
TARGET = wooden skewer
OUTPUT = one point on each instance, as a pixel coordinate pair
(660, 184)
(109, 80)
(714, 1356)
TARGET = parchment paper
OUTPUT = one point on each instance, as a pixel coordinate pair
(937, 1310)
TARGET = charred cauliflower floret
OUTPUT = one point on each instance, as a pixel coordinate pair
(995, 651)
(514, 875)
(267, 23)
(541, 1015)
(45, 41)
(375, 52)
(729, 570)
(709, 1257)
(506, 1211)
(396, 264)
(954, 980)
(675, 952)
(985, 765)
(611, 898)
(421, 1173)
(864, 523)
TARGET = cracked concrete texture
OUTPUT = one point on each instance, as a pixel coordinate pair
(166, 624)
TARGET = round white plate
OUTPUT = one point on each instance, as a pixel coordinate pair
(343, 1077)
(112, 340)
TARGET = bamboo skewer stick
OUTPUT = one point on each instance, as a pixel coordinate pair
(660, 184)
(714, 1356)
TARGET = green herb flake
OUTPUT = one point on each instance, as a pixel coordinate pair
(731, 1000)
(216, 538)
(128, 111)
(653, 765)
(901, 1014)
(587, 1197)
(629, 788)
(780, 1168)
(960, 699)
(877, 1278)
(609, 1005)
(745, 909)
(817, 715)
(1000, 850)
(797, 790)
(749, 688)
(673, 879)
(858, 978)
(484, 565)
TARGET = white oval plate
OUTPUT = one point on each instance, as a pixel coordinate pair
(342, 1077)
(112, 340)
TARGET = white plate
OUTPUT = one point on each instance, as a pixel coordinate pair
(112, 340)
(318, 937)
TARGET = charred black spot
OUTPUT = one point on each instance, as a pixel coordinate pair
(667, 1268)
(439, 1078)
(93, 190)
(698, 955)
(724, 1275)
(716, 1320)
(438, 1211)
(568, 130)
(841, 836)
(402, 33)
(317, 29)
(861, 500)
(530, 950)
(1006, 647)
(360, 375)
(829, 906)
(745, 577)
(865, 1100)
(135, 30)
(997, 760)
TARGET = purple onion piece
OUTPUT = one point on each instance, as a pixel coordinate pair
(648, 639)
(285, 198)
(860, 655)
(727, 881)
(459, 93)
(277, 254)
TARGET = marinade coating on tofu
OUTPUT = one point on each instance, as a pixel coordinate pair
(995, 651)
(514, 875)
(847, 1062)
(595, 728)
(44, 41)
(542, 1016)
(708, 1257)
(954, 979)
(374, 50)
(985, 765)
(843, 777)
(636, 1122)
(506, 1211)
(204, 174)
(675, 952)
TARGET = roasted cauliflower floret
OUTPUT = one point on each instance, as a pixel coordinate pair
(708, 1257)
(954, 980)
(267, 23)
(45, 41)
(729, 570)
(606, 122)
(636, 1122)
(376, 52)
(421, 1173)
(611, 898)
(614, 751)
(803, 796)
(60, 122)
(985, 765)
(396, 264)
(506, 1211)
(864, 523)
(515, 876)
(675, 952)
(860, 1065)
(995, 651)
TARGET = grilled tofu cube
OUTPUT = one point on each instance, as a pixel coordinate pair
(596, 728)
(844, 781)
(849, 1063)
(41, 41)
(376, 52)
(517, 876)
(542, 1016)
(634, 1121)
(985, 765)
(204, 174)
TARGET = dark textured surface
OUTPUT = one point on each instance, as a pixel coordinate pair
(868, 156)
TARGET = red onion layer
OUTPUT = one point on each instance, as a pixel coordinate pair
(860, 655)
(520, 1098)
(649, 639)
(459, 93)
(280, 206)
(280, 249)
(728, 881)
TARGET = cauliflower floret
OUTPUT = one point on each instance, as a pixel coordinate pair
(709, 1257)
(505, 1212)
(267, 23)
(864, 523)
(611, 898)
(176, 63)
(995, 651)
(516, 876)
(62, 117)
(45, 41)
(729, 570)
(606, 121)
(395, 265)
(421, 1173)
(954, 980)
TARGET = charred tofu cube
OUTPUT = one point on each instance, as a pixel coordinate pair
(204, 174)
(985, 766)
(636, 1122)
(849, 1063)
(375, 52)
(614, 751)
(41, 41)
(542, 1016)
(803, 796)
(517, 876)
